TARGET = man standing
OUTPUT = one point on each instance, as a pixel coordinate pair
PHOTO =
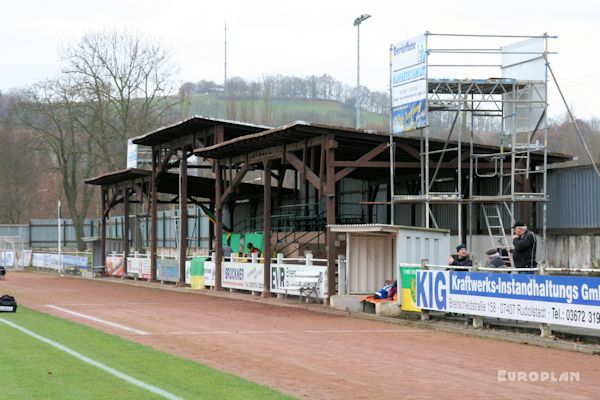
(524, 247)
(462, 258)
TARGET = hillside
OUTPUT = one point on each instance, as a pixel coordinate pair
(277, 112)
(280, 111)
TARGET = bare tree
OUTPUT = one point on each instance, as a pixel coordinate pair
(113, 85)
(21, 168)
(52, 111)
(127, 82)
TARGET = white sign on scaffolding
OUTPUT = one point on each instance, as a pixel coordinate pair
(524, 62)
(409, 84)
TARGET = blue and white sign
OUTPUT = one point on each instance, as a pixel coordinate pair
(559, 300)
(409, 84)
(53, 261)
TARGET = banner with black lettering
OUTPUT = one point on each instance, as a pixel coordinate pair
(560, 300)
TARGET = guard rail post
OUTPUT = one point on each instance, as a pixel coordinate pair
(477, 319)
(425, 313)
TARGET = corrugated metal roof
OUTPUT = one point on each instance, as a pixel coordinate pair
(287, 134)
(118, 176)
(169, 183)
(196, 124)
(364, 228)
(351, 142)
(379, 228)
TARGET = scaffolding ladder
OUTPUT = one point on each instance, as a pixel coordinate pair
(496, 230)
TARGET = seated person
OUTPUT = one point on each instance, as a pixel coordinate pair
(227, 251)
(494, 259)
(462, 258)
(387, 291)
(252, 250)
(393, 291)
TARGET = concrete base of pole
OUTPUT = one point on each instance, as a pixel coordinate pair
(477, 322)
(545, 331)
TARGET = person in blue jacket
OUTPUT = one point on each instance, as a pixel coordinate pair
(462, 258)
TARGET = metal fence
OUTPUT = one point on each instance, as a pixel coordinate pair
(43, 233)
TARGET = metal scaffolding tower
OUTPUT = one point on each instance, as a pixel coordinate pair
(510, 108)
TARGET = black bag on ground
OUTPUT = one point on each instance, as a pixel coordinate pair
(8, 304)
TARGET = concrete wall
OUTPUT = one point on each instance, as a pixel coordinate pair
(574, 251)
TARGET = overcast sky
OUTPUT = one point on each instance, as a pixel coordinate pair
(301, 38)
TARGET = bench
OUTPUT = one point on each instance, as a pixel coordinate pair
(307, 283)
(372, 300)
(72, 270)
(99, 271)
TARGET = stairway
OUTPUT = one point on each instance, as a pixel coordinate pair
(295, 244)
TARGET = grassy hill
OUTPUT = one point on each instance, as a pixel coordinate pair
(276, 112)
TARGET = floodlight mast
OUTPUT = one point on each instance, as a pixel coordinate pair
(357, 22)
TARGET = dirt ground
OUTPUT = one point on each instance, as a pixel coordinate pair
(307, 354)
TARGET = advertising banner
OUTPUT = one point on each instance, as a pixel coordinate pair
(209, 273)
(37, 260)
(167, 269)
(559, 300)
(115, 265)
(145, 268)
(133, 267)
(53, 260)
(283, 274)
(75, 261)
(408, 277)
(409, 84)
(7, 258)
(245, 276)
(26, 257)
(249, 276)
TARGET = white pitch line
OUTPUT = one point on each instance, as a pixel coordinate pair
(372, 331)
(102, 321)
(104, 367)
(291, 332)
(199, 303)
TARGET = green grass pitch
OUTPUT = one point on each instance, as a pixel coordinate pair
(31, 369)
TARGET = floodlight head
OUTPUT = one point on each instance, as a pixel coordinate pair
(360, 19)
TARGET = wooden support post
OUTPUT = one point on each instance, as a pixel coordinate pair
(267, 229)
(182, 216)
(219, 137)
(154, 213)
(103, 228)
(125, 230)
(231, 211)
(305, 185)
(218, 226)
(330, 159)
(322, 165)
(211, 228)
(308, 168)
(280, 178)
